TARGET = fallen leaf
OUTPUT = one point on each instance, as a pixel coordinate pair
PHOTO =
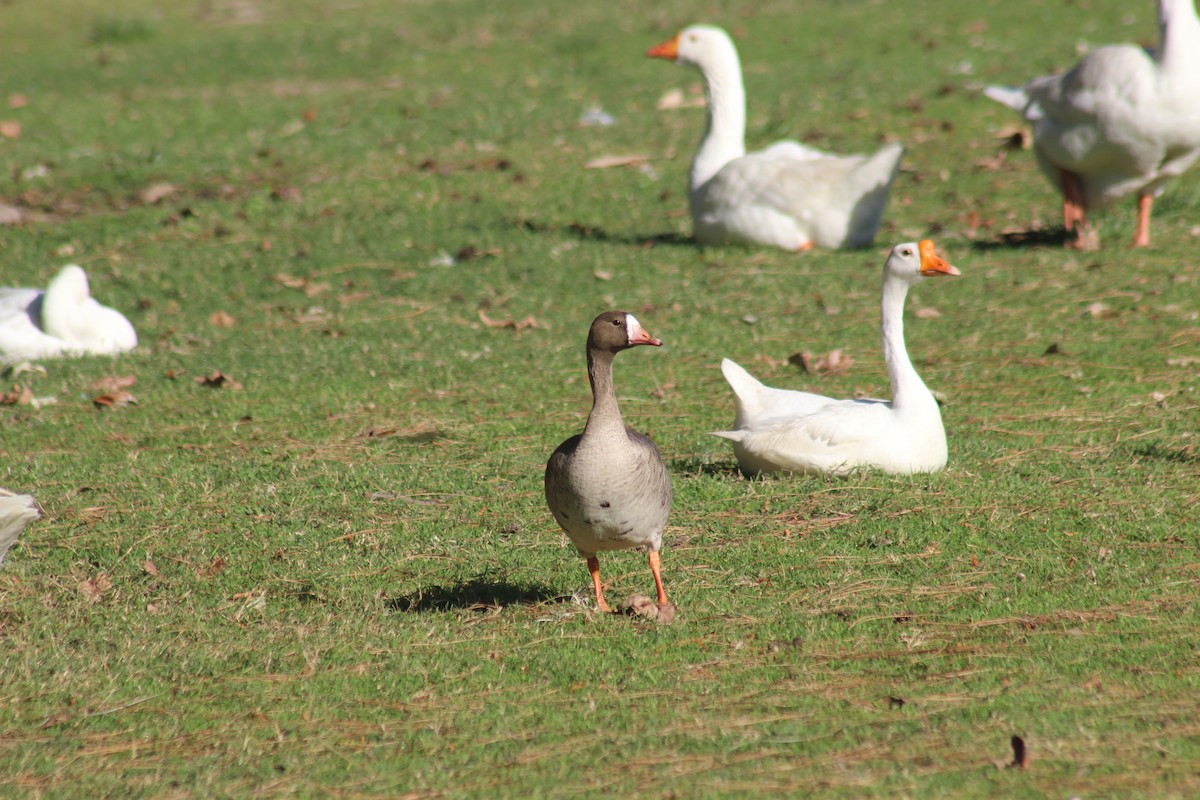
(1100, 311)
(927, 313)
(112, 383)
(895, 702)
(1020, 753)
(10, 129)
(639, 605)
(222, 320)
(675, 98)
(149, 567)
(1015, 137)
(115, 399)
(214, 569)
(834, 363)
(19, 396)
(1183, 361)
(158, 192)
(217, 380)
(602, 275)
(17, 101)
(663, 390)
(94, 588)
(528, 322)
(607, 162)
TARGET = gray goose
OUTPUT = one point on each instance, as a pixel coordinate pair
(608, 487)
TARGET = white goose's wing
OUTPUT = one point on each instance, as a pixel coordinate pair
(835, 439)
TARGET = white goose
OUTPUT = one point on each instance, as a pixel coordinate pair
(16, 511)
(790, 431)
(789, 195)
(62, 320)
(1120, 122)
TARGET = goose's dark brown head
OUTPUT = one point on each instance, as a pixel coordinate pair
(614, 331)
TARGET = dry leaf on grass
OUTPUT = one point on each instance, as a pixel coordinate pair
(217, 380)
(675, 98)
(114, 399)
(10, 129)
(607, 162)
(1020, 753)
(927, 313)
(150, 568)
(17, 100)
(18, 396)
(639, 605)
(834, 363)
(158, 192)
(304, 284)
(112, 383)
(222, 320)
(93, 589)
(212, 570)
(528, 322)
(1100, 311)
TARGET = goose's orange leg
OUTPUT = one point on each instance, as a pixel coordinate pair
(593, 565)
(1141, 236)
(656, 568)
(1073, 213)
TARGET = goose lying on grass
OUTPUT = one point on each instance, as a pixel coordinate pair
(61, 320)
(789, 195)
(784, 430)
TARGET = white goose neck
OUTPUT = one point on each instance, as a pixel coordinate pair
(1179, 42)
(908, 390)
(725, 126)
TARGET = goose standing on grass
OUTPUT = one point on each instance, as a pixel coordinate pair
(62, 320)
(608, 487)
(1122, 121)
(16, 511)
(790, 431)
(789, 195)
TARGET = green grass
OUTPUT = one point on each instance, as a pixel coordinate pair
(341, 578)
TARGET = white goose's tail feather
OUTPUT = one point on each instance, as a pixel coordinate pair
(868, 188)
(1012, 96)
(747, 392)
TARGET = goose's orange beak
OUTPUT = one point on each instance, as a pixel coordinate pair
(932, 263)
(668, 50)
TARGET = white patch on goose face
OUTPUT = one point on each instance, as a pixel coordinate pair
(632, 327)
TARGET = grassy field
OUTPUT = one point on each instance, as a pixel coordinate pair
(334, 573)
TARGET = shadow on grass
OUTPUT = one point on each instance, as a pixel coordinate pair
(592, 234)
(477, 594)
(1176, 455)
(696, 466)
(1055, 237)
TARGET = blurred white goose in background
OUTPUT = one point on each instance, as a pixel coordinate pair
(61, 320)
(1121, 122)
(16, 511)
(789, 195)
(783, 430)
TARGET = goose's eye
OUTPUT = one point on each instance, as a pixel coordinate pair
(617, 322)
(906, 252)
